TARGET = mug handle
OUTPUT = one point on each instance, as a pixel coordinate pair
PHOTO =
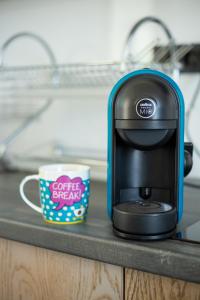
(21, 190)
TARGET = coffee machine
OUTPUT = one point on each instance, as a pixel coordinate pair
(147, 158)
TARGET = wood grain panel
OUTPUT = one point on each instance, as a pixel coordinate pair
(32, 273)
(145, 286)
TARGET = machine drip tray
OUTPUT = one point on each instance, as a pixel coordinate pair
(147, 220)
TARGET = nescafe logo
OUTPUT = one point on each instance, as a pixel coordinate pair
(145, 108)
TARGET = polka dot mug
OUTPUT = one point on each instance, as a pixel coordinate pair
(64, 193)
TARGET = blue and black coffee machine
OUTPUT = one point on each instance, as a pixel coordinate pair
(147, 157)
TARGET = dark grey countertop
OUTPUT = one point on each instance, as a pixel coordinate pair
(94, 239)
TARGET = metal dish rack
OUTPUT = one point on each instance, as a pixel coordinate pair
(44, 82)
(54, 76)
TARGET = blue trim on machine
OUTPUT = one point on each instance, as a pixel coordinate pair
(113, 93)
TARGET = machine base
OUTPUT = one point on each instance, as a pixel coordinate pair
(144, 220)
(130, 236)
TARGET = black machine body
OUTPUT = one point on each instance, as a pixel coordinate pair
(146, 158)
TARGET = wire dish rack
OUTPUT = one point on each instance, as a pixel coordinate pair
(87, 75)
(67, 75)
(21, 84)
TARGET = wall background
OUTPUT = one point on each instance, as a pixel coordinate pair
(87, 30)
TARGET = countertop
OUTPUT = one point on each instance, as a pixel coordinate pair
(94, 239)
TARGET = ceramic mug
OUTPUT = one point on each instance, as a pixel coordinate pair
(64, 192)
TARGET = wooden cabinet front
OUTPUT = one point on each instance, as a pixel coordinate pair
(146, 286)
(33, 273)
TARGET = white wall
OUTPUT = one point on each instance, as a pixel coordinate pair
(88, 30)
(77, 31)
